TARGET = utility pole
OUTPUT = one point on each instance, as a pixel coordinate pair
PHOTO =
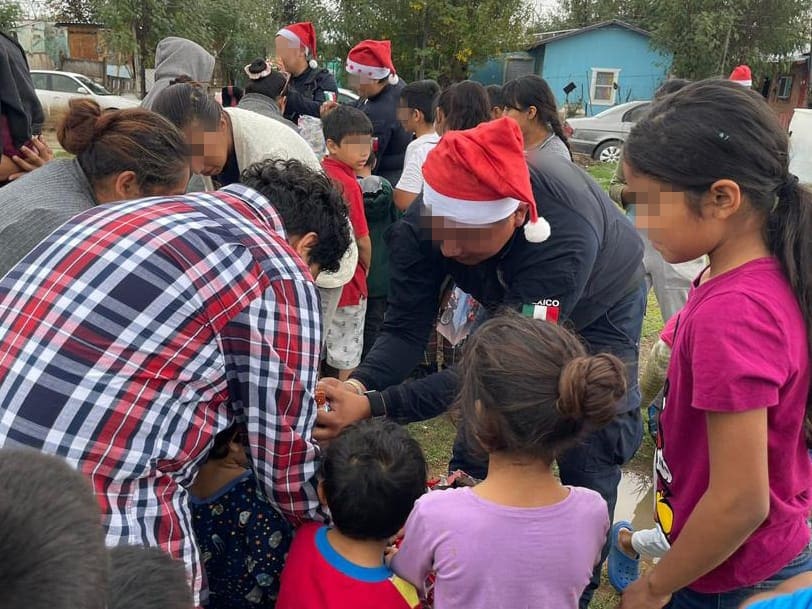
(724, 52)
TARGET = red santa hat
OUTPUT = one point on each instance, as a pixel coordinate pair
(372, 59)
(480, 176)
(303, 34)
(742, 75)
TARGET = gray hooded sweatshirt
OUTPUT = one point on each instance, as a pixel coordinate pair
(178, 57)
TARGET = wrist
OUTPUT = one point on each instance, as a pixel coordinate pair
(377, 403)
(355, 386)
(655, 586)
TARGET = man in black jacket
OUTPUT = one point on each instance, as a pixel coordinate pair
(588, 275)
(372, 74)
(296, 51)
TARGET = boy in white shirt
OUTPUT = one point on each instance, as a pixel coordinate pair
(416, 114)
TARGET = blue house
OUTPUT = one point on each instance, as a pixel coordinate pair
(601, 65)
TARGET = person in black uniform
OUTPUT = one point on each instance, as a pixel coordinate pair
(296, 51)
(476, 221)
(372, 74)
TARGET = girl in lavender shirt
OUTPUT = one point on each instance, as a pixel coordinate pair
(520, 538)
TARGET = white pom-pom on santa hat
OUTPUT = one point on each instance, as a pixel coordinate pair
(313, 63)
(480, 177)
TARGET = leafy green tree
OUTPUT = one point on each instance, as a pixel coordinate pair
(10, 15)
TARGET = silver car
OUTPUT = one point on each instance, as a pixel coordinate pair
(56, 89)
(602, 136)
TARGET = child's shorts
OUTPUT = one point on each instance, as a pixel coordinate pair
(345, 338)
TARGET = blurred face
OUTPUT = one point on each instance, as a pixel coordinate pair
(525, 118)
(290, 55)
(364, 86)
(409, 119)
(472, 245)
(440, 122)
(209, 147)
(353, 150)
(674, 229)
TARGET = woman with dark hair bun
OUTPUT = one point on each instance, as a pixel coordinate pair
(266, 91)
(120, 155)
(531, 103)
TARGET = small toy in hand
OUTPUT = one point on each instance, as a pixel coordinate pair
(321, 399)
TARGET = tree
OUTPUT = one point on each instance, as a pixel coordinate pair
(430, 38)
(10, 14)
(74, 11)
(706, 37)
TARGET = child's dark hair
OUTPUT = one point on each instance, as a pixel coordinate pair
(533, 91)
(307, 202)
(147, 578)
(372, 160)
(372, 474)
(465, 105)
(220, 448)
(495, 96)
(421, 95)
(134, 139)
(274, 85)
(717, 129)
(672, 85)
(185, 103)
(529, 388)
(52, 550)
(344, 121)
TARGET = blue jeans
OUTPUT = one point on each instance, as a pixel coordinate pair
(688, 599)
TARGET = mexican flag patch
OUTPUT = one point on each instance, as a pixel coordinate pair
(545, 310)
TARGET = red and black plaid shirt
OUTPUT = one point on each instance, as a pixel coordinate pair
(136, 332)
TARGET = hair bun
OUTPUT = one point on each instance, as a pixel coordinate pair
(589, 388)
(258, 66)
(79, 127)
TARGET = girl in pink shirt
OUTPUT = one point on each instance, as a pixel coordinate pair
(708, 171)
(520, 538)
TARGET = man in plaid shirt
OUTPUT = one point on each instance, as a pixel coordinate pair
(136, 332)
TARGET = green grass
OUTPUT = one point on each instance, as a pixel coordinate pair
(602, 172)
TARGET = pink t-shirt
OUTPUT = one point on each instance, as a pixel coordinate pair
(740, 344)
(487, 555)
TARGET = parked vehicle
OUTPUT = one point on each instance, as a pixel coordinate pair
(602, 136)
(800, 142)
(56, 89)
(345, 96)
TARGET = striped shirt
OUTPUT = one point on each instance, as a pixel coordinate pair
(136, 332)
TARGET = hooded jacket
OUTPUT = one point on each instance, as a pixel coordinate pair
(176, 57)
(18, 99)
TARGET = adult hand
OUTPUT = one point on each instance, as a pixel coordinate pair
(327, 107)
(34, 157)
(346, 407)
(639, 596)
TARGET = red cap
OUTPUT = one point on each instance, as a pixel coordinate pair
(302, 33)
(480, 176)
(742, 75)
(373, 59)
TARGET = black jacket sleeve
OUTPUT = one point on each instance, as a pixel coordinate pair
(414, 286)
(18, 98)
(310, 105)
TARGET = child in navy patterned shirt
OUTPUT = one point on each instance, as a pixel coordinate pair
(243, 540)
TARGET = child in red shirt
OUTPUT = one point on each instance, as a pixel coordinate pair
(348, 135)
(372, 474)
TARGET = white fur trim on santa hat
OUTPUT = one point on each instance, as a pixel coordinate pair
(475, 213)
(376, 73)
(538, 231)
(286, 33)
(744, 83)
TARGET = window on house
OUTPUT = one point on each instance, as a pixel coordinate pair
(604, 86)
(784, 89)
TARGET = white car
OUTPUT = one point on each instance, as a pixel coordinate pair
(56, 89)
(800, 142)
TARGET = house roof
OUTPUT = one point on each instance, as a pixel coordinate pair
(556, 36)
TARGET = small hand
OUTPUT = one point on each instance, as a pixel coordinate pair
(35, 157)
(346, 407)
(639, 596)
(327, 107)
